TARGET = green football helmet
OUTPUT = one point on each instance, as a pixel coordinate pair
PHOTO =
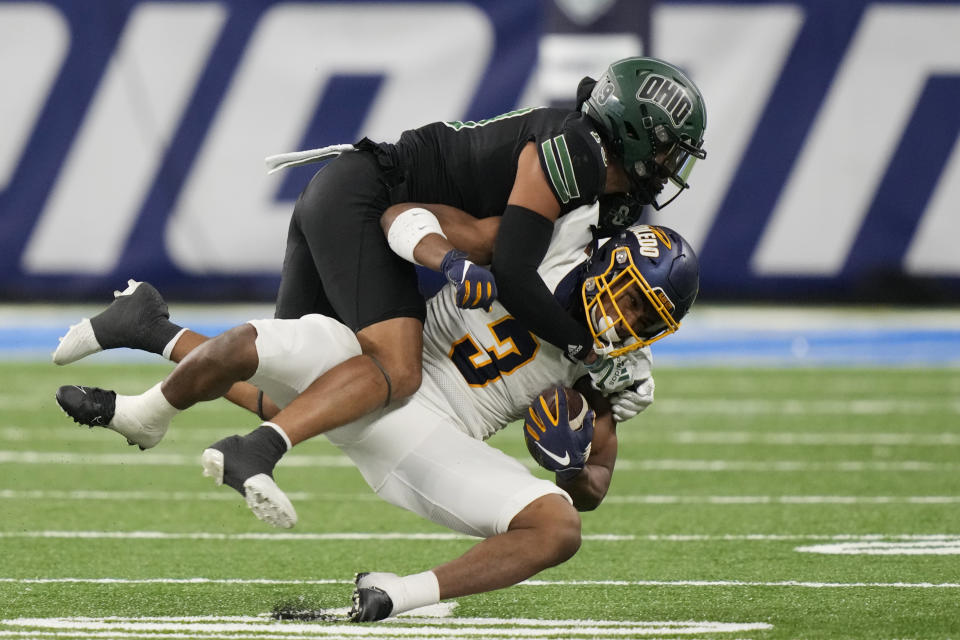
(652, 117)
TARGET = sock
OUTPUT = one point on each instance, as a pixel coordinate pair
(417, 590)
(268, 444)
(283, 434)
(159, 334)
(168, 349)
(148, 408)
(249, 455)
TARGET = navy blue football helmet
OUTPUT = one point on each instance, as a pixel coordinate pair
(637, 288)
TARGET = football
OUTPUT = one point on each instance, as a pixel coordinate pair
(576, 406)
(577, 409)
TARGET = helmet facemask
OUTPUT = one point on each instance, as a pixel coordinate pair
(621, 290)
(672, 162)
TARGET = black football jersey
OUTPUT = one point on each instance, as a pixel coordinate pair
(473, 165)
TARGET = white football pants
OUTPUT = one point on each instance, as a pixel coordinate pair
(415, 454)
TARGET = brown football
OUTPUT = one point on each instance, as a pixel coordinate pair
(576, 412)
(576, 405)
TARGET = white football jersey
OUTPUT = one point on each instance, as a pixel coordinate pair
(484, 364)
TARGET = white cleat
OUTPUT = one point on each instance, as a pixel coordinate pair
(212, 462)
(137, 318)
(268, 502)
(78, 343)
(265, 498)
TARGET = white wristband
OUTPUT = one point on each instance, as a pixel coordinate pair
(409, 228)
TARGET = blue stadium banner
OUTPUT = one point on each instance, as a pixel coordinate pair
(134, 131)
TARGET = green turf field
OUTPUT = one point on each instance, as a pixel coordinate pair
(780, 503)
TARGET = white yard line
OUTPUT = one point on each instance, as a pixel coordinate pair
(340, 461)
(791, 439)
(401, 627)
(272, 537)
(790, 466)
(304, 496)
(176, 496)
(742, 583)
(828, 437)
(946, 547)
(264, 581)
(152, 459)
(796, 500)
(751, 406)
(935, 538)
(527, 583)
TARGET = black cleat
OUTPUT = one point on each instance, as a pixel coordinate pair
(246, 464)
(91, 406)
(97, 407)
(369, 603)
(137, 318)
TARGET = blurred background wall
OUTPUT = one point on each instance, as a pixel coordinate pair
(132, 133)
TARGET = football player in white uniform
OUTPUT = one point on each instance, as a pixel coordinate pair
(427, 454)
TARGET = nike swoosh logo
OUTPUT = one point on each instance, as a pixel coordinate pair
(565, 460)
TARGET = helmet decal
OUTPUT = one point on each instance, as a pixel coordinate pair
(650, 239)
(603, 90)
(668, 95)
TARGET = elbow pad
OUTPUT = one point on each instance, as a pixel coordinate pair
(521, 244)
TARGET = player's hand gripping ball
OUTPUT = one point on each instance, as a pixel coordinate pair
(558, 430)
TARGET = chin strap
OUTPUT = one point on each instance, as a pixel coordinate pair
(595, 236)
(298, 158)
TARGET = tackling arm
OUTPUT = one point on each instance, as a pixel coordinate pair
(416, 234)
(521, 244)
(474, 236)
(589, 487)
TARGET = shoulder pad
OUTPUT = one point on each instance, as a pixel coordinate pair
(574, 163)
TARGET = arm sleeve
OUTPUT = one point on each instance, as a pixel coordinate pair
(521, 244)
